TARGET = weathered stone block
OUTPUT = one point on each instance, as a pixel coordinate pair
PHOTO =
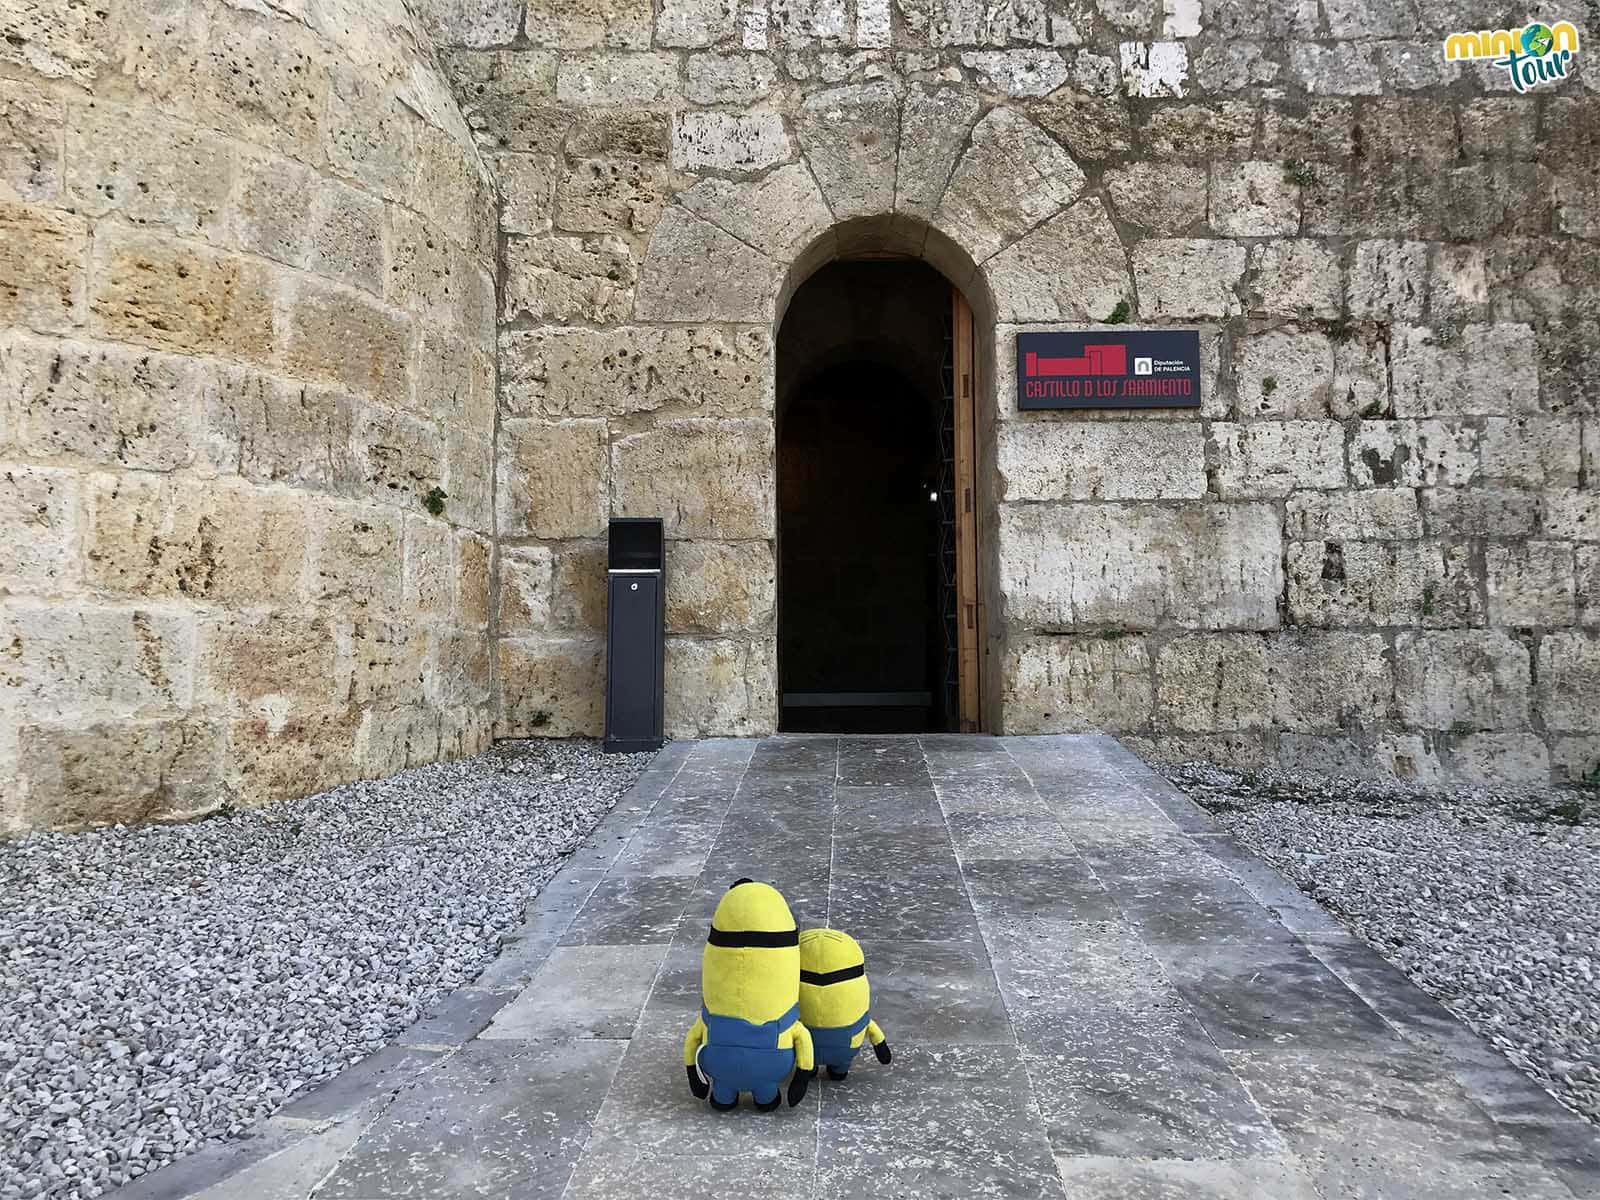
(1312, 130)
(122, 772)
(385, 664)
(720, 587)
(1422, 583)
(615, 78)
(1335, 69)
(589, 24)
(1530, 583)
(695, 23)
(1060, 685)
(526, 584)
(1500, 758)
(171, 175)
(742, 143)
(1151, 69)
(277, 431)
(1575, 759)
(1413, 454)
(1081, 566)
(552, 687)
(477, 23)
(216, 540)
(552, 479)
(1531, 451)
(268, 662)
(507, 98)
(335, 336)
(39, 529)
(588, 280)
(730, 78)
(696, 272)
(709, 479)
(270, 759)
(42, 255)
(1165, 198)
(527, 190)
(1013, 177)
(469, 463)
(1017, 73)
(1491, 369)
(158, 291)
(1460, 680)
(1284, 375)
(1253, 199)
(1180, 277)
(1200, 132)
(459, 673)
(780, 214)
(30, 141)
(1296, 277)
(718, 687)
(1571, 514)
(1458, 284)
(400, 458)
(1360, 378)
(1100, 461)
(1389, 280)
(599, 195)
(934, 125)
(851, 139)
(356, 556)
(474, 558)
(578, 590)
(1274, 458)
(1380, 514)
(1214, 682)
(1091, 128)
(1234, 67)
(1073, 267)
(561, 373)
(1327, 681)
(428, 575)
(94, 661)
(1480, 512)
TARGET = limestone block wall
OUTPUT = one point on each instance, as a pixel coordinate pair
(247, 403)
(1374, 546)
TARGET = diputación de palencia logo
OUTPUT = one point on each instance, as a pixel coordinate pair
(1535, 54)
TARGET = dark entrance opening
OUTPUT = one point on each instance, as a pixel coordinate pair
(866, 561)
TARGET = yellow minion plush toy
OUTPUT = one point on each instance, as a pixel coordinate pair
(835, 1000)
(748, 1036)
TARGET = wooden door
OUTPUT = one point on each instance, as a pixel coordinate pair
(968, 613)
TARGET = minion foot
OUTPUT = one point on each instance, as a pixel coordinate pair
(770, 1104)
(835, 1074)
(724, 1105)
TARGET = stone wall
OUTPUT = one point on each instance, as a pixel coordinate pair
(246, 330)
(252, 317)
(1375, 544)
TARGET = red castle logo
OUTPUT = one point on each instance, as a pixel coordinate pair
(1096, 360)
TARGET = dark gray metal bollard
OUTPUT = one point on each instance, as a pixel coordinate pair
(636, 642)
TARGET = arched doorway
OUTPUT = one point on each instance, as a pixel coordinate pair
(877, 556)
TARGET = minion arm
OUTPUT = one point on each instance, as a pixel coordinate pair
(691, 1048)
(880, 1044)
(805, 1063)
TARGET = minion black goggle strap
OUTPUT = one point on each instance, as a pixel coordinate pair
(824, 978)
(769, 938)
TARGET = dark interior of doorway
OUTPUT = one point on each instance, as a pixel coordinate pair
(863, 585)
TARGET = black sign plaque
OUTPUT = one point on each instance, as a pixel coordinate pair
(1143, 368)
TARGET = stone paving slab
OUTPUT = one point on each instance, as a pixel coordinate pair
(1091, 995)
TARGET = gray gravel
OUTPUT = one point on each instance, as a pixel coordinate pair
(1489, 899)
(162, 987)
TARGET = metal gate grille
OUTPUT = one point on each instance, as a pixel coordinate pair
(950, 659)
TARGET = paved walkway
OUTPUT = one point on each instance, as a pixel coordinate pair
(1090, 994)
